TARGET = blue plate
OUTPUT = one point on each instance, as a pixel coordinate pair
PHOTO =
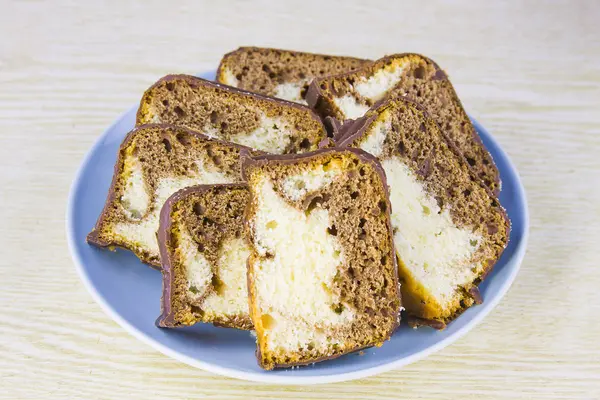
(129, 291)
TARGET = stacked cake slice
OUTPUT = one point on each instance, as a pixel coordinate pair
(322, 272)
(157, 160)
(350, 95)
(222, 112)
(204, 255)
(261, 219)
(280, 73)
(449, 230)
(154, 162)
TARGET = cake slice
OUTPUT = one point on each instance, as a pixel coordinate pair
(449, 229)
(350, 95)
(322, 275)
(280, 73)
(155, 161)
(204, 257)
(222, 112)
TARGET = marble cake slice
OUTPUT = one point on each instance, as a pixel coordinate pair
(155, 161)
(322, 273)
(204, 256)
(449, 229)
(223, 112)
(349, 95)
(284, 74)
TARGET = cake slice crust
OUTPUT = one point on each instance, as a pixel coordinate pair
(322, 274)
(280, 73)
(204, 256)
(226, 113)
(350, 95)
(155, 161)
(449, 229)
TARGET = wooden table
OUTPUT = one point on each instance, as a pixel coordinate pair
(529, 72)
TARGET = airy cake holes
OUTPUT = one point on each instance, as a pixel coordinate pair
(167, 145)
(179, 111)
(305, 144)
(183, 139)
(419, 72)
(198, 209)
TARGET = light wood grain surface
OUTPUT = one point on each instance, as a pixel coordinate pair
(529, 71)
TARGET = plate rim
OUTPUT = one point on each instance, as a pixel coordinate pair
(486, 307)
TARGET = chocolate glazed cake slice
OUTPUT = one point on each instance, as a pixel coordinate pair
(322, 274)
(204, 256)
(349, 95)
(449, 229)
(218, 111)
(155, 161)
(284, 74)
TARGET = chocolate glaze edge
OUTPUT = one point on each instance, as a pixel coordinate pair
(196, 81)
(243, 49)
